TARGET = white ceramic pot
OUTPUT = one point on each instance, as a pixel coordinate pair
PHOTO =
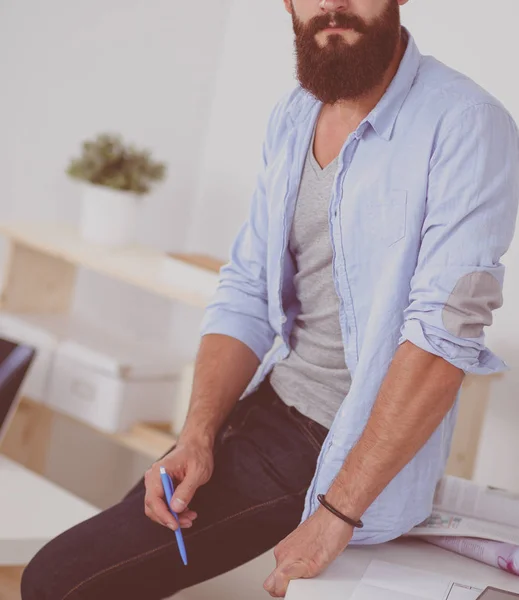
(108, 217)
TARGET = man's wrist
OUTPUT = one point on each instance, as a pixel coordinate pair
(196, 434)
(333, 523)
(345, 503)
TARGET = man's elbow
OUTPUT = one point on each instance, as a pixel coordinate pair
(429, 363)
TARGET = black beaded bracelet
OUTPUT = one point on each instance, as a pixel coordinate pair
(334, 511)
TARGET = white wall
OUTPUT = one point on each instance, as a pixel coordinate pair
(144, 68)
(256, 69)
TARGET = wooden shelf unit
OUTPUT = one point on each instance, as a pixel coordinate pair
(40, 277)
(43, 259)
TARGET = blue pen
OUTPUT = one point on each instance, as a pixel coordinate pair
(169, 490)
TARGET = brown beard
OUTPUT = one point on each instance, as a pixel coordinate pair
(340, 71)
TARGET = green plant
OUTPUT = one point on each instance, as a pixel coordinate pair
(108, 161)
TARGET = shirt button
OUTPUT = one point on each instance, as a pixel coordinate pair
(283, 320)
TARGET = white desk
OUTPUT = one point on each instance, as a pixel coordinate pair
(342, 577)
(32, 512)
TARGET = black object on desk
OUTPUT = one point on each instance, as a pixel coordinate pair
(15, 360)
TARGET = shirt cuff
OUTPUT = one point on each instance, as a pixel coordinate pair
(468, 355)
(249, 330)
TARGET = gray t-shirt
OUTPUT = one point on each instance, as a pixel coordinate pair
(314, 377)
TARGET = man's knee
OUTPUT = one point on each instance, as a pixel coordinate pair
(34, 579)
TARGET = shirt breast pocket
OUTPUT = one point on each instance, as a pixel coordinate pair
(387, 216)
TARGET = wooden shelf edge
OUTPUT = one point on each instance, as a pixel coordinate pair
(10, 579)
(63, 244)
(148, 439)
(152, 440)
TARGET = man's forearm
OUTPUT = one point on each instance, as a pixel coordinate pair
(417, 393)
(224, 367)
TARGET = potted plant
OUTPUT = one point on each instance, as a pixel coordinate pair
(116, 176)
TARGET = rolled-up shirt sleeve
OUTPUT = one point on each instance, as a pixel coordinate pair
(239, 308)
(469, 222)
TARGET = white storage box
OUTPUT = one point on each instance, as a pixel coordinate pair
(42, 332)
(112, 382)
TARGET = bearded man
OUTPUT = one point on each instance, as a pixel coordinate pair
(387, 196)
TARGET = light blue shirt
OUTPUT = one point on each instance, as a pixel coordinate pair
(423, 207)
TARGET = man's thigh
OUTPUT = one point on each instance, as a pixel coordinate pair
(264, 459)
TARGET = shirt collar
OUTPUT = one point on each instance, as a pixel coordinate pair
(383, 117)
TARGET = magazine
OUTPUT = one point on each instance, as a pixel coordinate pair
(480, 522)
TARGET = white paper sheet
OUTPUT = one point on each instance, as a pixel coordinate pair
(470, 499)
(463, 508)
(387, 581)
(462, 592)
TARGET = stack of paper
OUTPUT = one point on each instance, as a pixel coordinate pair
(475, 521)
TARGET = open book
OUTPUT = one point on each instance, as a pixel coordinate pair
(476, 521)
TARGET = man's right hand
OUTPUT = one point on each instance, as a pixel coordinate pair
(190, 464)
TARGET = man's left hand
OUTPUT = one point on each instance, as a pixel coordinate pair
(308, 550)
